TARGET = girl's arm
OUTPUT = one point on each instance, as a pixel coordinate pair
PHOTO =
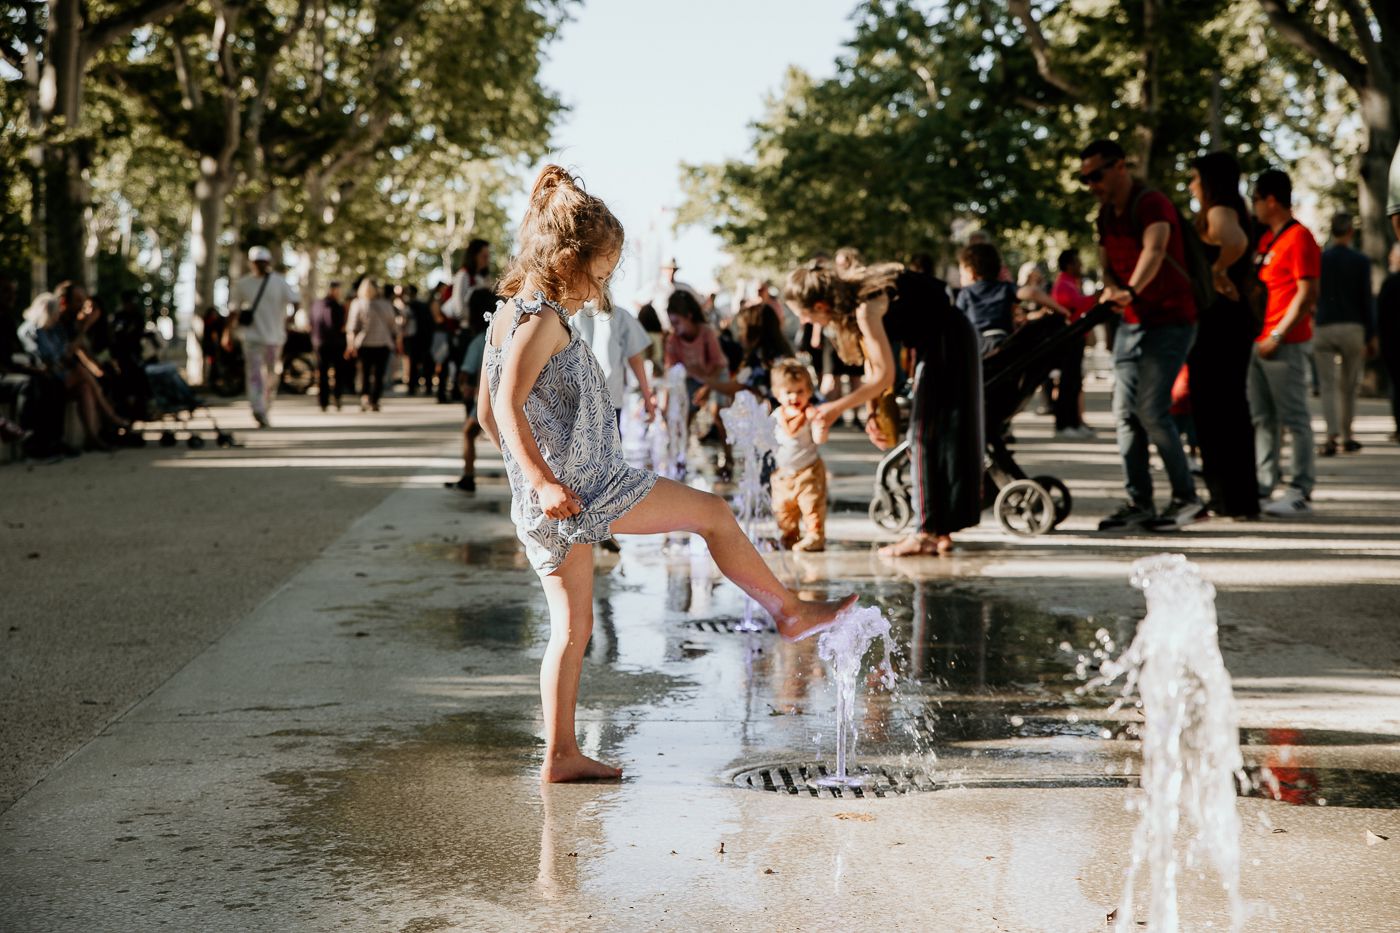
(485, 416)
(879, 364)
(537, 338)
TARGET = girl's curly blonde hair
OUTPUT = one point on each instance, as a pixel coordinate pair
(565, 229)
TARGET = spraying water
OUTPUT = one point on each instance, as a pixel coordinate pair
(750, 430)
(1190, 742)
(843, 648)
(669, 433)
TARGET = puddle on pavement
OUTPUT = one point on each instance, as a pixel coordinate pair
(495, 554)
(455, 804)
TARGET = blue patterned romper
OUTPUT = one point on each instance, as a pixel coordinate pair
(572, 420)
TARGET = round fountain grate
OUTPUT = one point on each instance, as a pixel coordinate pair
(799, 779)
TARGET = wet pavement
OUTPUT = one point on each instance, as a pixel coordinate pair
(361, 752)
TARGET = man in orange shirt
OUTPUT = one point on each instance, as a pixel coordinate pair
(1289, 265)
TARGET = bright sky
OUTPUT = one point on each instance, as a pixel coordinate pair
(654, 83)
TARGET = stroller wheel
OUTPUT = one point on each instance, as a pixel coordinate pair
(167, 438)
(1059, 494)
(223, 439)
(1025, 508)
(195, 442)
(890, 511)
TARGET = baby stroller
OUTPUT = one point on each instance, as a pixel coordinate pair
(172, 406)
(1025, 506)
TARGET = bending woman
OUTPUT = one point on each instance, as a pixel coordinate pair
(868, 307)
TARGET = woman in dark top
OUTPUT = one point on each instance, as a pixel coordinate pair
(867, 309)
(1218, 365)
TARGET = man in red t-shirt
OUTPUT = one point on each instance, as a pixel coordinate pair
(1144, 260)
(1289, 265)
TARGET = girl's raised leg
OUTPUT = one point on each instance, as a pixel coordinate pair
(569, 592)
(672, 506)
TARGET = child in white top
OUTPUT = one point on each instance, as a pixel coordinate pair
(799, 482)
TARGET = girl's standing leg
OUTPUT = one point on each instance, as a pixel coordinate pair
(672, 506)
(569, 592)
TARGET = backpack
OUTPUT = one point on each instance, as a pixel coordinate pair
(1197, 268)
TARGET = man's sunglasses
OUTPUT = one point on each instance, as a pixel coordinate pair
(1096, 176)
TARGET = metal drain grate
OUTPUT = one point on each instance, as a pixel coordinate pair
(800, 780)
(732, 627)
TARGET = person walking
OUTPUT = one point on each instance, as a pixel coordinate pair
(1344, 334)
(335, 373)
(1289, 264)
(1218, 365)
(1068, 292)
(258, 307)
(1144, 259)
(373, 331)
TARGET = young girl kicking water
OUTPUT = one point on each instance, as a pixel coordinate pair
(547, 408)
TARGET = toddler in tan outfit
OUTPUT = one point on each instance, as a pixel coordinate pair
(799, 481)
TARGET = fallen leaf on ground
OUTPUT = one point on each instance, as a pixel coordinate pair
(769, 871)
(1278, 829)
(1373, 838)
(721, 848)
(861, 817)
(573, 855)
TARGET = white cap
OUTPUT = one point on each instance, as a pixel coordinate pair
(260, 254)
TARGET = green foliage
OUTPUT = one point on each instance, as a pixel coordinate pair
(939, 119)
(375, 133)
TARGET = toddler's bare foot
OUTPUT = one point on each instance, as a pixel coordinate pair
(576, 767)
(811, 616)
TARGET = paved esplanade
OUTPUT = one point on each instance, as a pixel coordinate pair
(356, 747)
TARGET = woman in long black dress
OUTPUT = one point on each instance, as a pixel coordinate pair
(869, 307)
(1218, 365)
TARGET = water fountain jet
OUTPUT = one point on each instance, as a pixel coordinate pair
(1191, 757)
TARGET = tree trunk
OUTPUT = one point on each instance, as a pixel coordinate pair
(1382, 115)
(1148, 94)
(1217, 106)
(38, 214)
(206, 223)
(60, 101)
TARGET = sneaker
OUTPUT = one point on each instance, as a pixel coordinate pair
(1351, 446)
(1128, 515)
(261, 419)
(1292, 502)
(1328, 449)
(810, 545)
(1081, 433)
(1177, 515)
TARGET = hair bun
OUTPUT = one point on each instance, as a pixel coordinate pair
(551, 177)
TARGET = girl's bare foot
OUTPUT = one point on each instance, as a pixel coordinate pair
(913, 546)
(810, 616)
(576, 767)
